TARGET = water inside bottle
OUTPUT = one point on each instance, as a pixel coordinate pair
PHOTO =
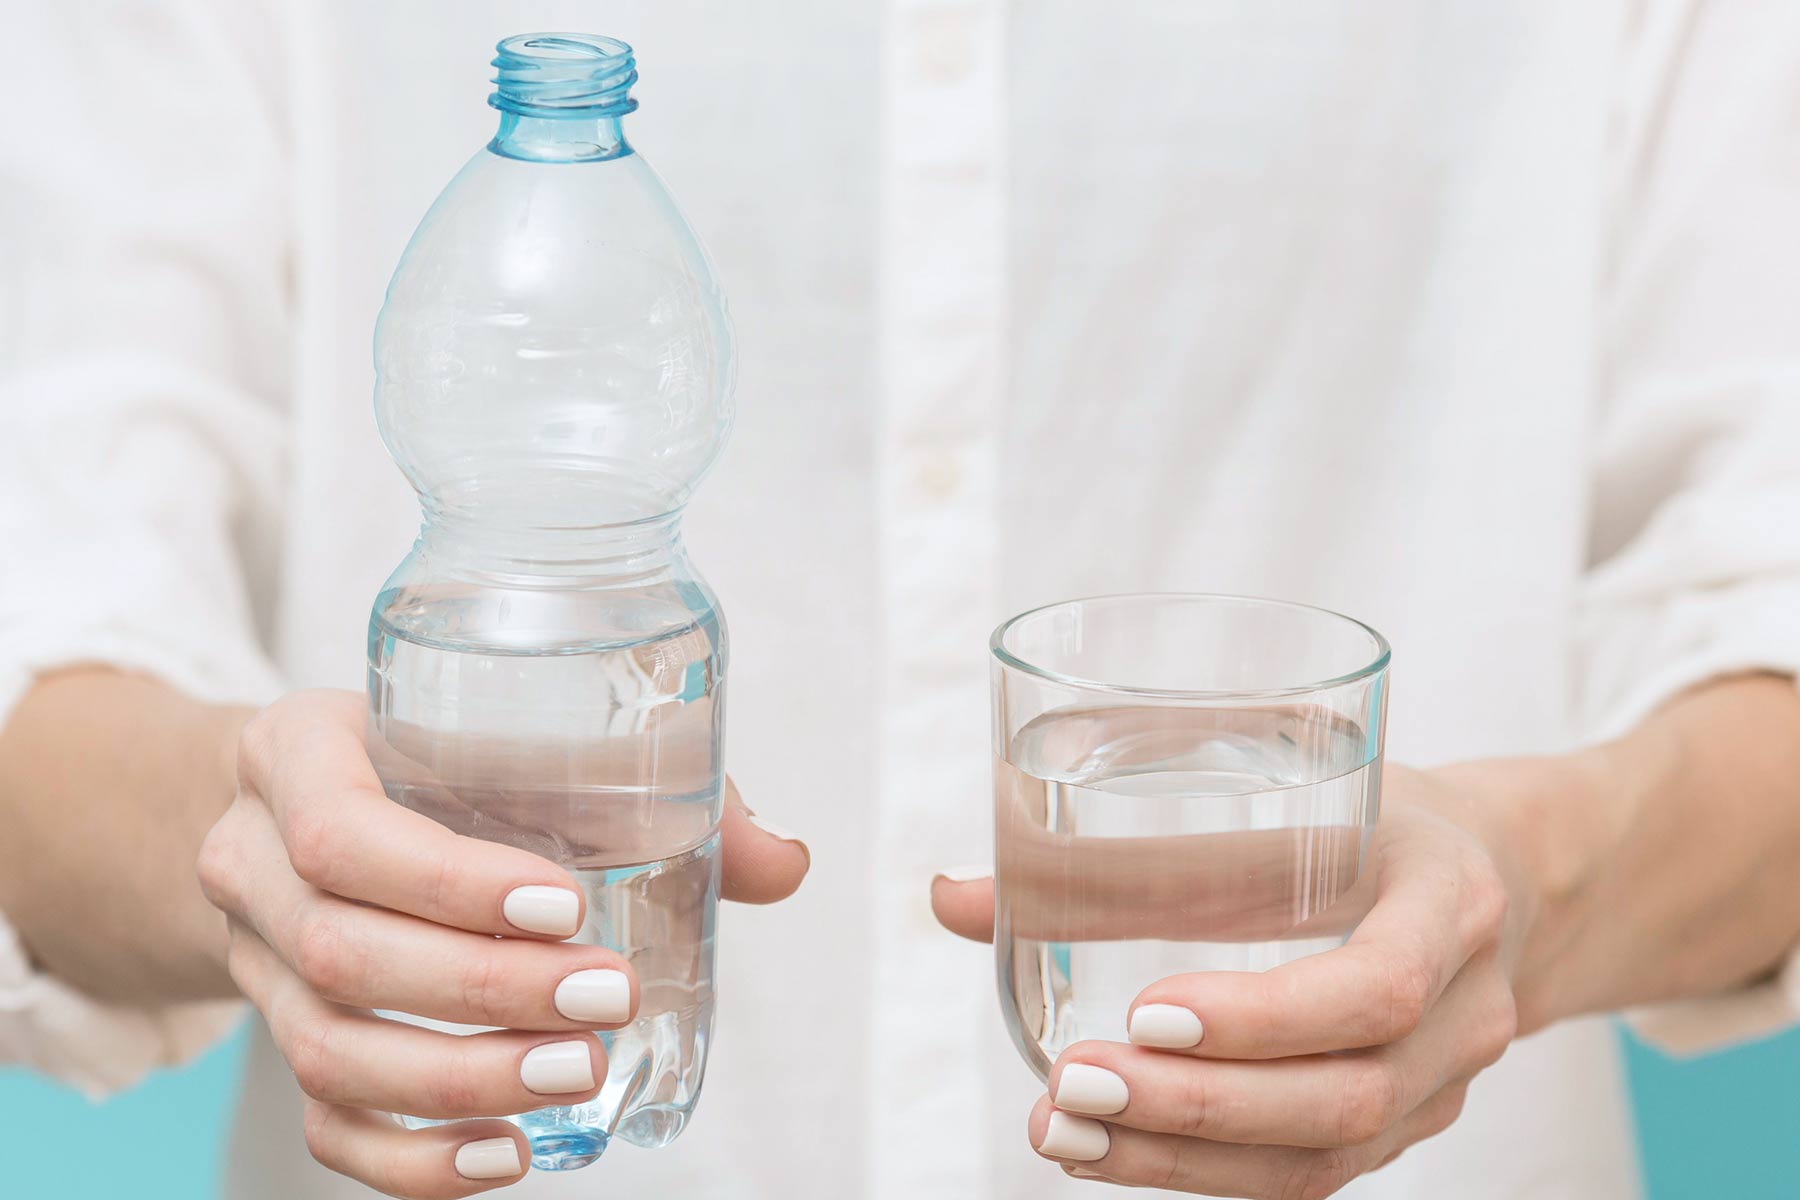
(1135, 844)
(599, 754)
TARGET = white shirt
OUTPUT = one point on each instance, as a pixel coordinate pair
(1473, 320)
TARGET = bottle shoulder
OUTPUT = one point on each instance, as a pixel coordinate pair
(512, 616)
(556, 317)
(543, 227)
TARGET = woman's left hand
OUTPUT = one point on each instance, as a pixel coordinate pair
(1289, 1083)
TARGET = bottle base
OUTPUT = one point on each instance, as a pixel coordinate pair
(562, 1147)
(654, 1127)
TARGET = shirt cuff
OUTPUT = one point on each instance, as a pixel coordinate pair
(98, 1048)
(45, 1024)
(1684, 1028)
(1650, 655)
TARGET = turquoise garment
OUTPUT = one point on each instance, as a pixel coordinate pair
(1721, 1126)
(162, 1140)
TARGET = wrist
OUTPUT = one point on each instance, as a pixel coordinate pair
(1651, 868)
(1552, 825)
(111, 780)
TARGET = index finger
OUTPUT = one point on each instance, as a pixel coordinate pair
(305, 758)
(1428, 919)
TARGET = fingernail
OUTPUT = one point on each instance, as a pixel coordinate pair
(770, 828)
(1077, 1138)
(557, 1068)
(601, 996)
(965, 874)
(552, 910)
(1078, 1173)
(1085, 1088)
(490, 1158)
(1165, 1027)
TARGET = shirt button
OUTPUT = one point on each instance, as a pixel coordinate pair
(943, 42)
(937, 477)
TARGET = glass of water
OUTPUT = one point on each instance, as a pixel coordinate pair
(1181, 783)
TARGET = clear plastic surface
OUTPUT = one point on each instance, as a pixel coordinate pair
(546, 667)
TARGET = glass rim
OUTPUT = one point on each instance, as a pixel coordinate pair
(997, 647)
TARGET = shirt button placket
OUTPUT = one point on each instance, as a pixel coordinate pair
(942, 338)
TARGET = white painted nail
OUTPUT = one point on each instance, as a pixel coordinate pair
(1078, 1173)
(1085, 1088)
(490, 1158)
(770, 828)
(552, 910)
(557, 1068)
(965, 874)
(1078, 1139)
(1165, 1027)
(601, 996)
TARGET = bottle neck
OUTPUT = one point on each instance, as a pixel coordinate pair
(561, 96)
(633, 552)
(560, 139)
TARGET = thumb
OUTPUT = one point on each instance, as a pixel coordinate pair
(963, 902)
(762, 863)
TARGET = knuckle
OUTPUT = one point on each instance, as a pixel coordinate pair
(310, 1047)
(1486, 902)
(1408, 986)
(327, 956)
(1195, 1104)
(487, 993)
(1532, 1010)
(1369, 1103)
(316, 1126)
(237, 962)
(454, 1089)
(256, 746)
(1282, 997)
(1163, 1171)
(446, 880)
(310, 840)
(1502, 1028)
(1453, 1103)
(234, 959)
(216, 866)
(1316, 1176)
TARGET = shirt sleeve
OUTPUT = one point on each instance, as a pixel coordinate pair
(1695, 541)
(99, 1048)
(143, 356)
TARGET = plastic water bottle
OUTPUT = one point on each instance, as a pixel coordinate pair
(546, 668)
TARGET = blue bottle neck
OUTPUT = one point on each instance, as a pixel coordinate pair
(561, 97)
(560, 139)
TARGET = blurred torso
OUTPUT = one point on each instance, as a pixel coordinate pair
(1030, 304)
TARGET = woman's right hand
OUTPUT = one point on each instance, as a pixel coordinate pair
(340, 901)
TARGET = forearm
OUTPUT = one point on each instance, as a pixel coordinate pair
(1667, 863)
(108, 784)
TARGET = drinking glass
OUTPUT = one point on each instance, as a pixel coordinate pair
(1181, 783)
